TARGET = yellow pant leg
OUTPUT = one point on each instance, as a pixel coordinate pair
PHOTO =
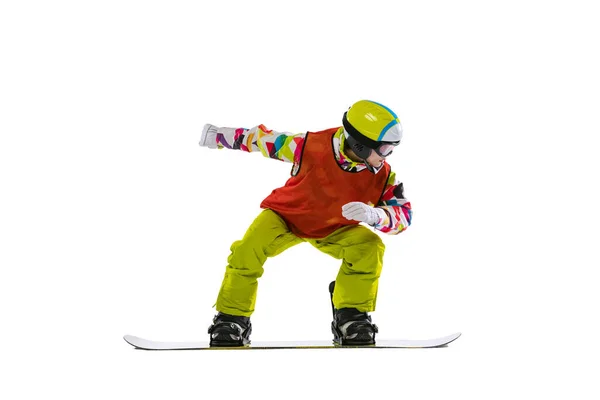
(266, 237)
(361, 251)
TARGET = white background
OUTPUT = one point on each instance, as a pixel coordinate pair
(113, 221)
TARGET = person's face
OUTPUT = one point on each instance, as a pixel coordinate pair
(375, 159)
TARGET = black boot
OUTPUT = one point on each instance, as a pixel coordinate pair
(351, 327)
(230, 331)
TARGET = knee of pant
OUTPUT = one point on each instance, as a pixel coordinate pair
(246, 257)
(370, 250)
(374, 243)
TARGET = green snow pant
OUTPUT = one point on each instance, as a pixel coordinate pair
(360, 249)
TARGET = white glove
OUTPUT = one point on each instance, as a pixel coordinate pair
(362, 212)
(209, 136)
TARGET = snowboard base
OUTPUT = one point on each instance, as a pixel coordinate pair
(145, 344)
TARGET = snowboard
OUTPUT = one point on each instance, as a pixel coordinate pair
(145, 344)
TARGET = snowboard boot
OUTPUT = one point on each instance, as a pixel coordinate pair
(351, 327)
(230, 331)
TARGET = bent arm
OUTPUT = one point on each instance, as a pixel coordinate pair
(397, 208)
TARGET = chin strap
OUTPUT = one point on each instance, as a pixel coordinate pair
(369, 167)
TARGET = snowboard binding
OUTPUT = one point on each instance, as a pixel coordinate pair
(230, 331)
(351, 327)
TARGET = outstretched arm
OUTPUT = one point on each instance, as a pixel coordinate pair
(283, 146)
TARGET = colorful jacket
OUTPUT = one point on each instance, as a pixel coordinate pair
(287, 147)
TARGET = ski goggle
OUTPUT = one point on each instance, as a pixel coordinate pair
(385, 149)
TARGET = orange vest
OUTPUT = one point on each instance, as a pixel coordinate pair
(311, 201)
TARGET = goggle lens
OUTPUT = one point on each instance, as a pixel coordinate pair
(385, 149)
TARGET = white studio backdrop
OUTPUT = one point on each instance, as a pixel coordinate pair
(113, 221)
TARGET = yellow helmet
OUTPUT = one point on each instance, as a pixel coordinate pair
(371, 125)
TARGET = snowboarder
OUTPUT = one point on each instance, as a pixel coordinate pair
(339, 179)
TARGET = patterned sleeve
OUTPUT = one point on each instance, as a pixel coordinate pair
(397, 208)
(283, 146)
